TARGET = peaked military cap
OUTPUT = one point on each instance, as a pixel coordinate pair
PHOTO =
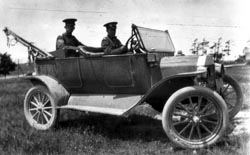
(70, 21)
(110, 25)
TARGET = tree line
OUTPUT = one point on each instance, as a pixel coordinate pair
(6, 64)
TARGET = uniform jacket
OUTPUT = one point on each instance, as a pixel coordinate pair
(68, 44)
(109, 43)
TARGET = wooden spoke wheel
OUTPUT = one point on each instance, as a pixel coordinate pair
(194, 117)
(232, 94)
(40, 108)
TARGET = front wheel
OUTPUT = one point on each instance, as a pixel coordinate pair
(40, 108)
(194, 117)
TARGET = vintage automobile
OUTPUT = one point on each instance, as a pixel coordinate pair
(187, 90)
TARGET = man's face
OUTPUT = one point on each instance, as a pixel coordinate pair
(69, 28)
(111, 31)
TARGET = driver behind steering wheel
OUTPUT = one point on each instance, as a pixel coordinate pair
(111, 44)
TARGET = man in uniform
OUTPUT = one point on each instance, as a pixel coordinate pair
(67, 41)
(110, 43)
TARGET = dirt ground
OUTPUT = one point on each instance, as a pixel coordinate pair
(242, 122)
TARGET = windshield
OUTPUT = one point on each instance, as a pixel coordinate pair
(156, 40)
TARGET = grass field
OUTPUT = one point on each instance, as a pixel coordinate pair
(88, 133)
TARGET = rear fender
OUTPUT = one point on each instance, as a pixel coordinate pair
(59, 93)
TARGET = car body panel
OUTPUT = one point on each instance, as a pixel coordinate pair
(118, 74)
(118, 82)
(129, 74)
(122, 104)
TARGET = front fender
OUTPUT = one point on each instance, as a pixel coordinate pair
(159, 93)
(60, 94)
(171, 84)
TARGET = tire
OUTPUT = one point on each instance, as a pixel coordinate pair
(232, 94)
(194, 117)
(40, 108)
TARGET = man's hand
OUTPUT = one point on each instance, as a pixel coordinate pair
(82, 50)
(124, 49)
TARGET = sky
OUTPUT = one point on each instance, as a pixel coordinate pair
(40, 21)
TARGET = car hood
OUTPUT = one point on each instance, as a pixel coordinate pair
(183, 64)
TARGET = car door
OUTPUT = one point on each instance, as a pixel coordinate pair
(119, 71)
(115, 74)
(68, 73)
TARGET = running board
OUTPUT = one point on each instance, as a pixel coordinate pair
(107, 104)
(111, 111)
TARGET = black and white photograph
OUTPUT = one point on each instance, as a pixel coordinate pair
(134, 77)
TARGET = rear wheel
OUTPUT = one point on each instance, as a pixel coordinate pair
(40, 108)
(232, 94)
(194, 117)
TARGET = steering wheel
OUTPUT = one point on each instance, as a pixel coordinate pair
(133, 45)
